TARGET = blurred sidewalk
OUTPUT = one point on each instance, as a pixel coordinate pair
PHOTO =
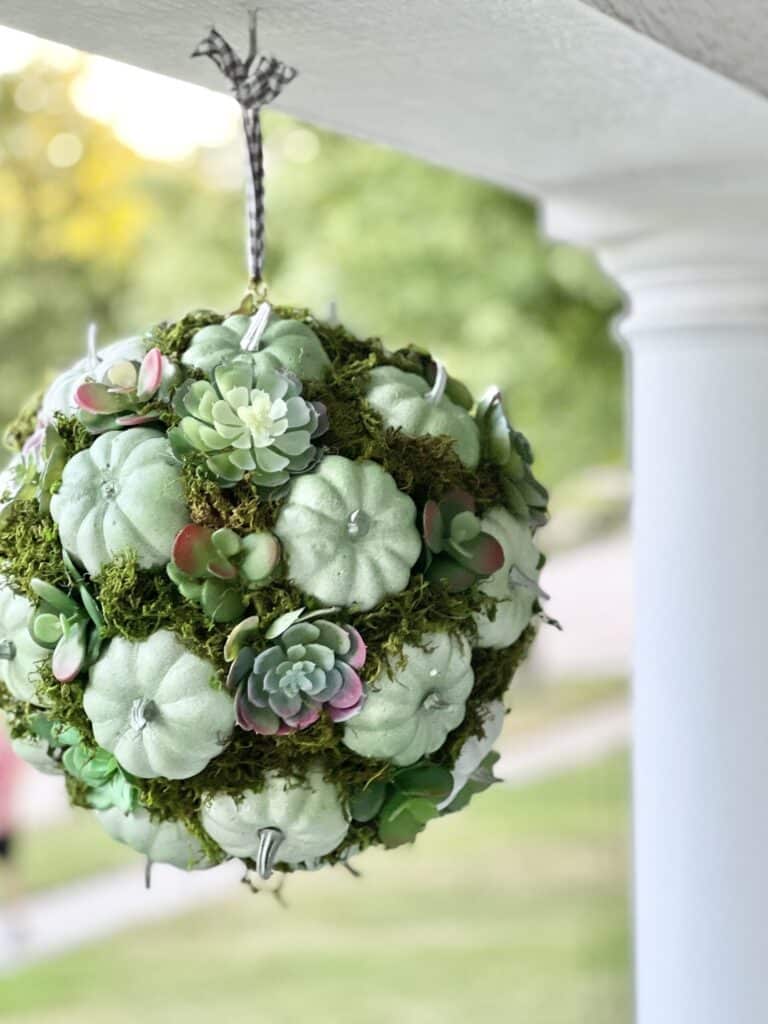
(591, 596)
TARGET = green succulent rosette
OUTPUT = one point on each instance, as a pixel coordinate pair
(246, 422)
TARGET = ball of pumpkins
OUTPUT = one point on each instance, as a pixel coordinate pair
(263, 586)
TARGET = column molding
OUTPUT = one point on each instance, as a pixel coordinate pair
(690, 251)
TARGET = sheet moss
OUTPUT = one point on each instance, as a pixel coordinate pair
(137, 602)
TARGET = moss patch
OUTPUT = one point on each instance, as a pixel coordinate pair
(21, 428)
(173, 337)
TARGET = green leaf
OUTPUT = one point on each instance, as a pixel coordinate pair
(226, 542)
(366, 803)
(428, 780)
(403, 817)
(56, 598)
(482, 778)
(221, 602)
(91, 606)
(93, 767)
(46, 629)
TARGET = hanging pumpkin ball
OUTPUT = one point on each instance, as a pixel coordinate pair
(264, 586)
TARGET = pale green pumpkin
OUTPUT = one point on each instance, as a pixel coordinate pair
(285, 344)
(309, 817)
(475, 749)
(34, 751)
(348, 533)
(123, 494)
(19, 654)
(154, 705)
(406, 402)
(161, 842)
(409, 712)
(514, 585)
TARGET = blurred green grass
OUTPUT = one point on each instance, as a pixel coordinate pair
(512, 911)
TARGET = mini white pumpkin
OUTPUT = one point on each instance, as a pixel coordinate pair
(406, 401)
(19, 654)
(514, 585)
(408, 713)
(285, 344)
(154, 705)
(161, 842)
(122, 494)
(348, 533)
(34, 751)
(309, 818)
(60, 396)
(475, 749)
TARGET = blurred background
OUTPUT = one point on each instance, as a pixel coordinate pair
(121, 203)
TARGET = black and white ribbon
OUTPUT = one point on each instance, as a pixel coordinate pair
(255, 82)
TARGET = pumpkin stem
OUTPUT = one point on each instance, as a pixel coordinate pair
(252, 337)
(437, 390)
(92, 359)
(270, 840)
(7, 650)
(517, 578)
(143, 711)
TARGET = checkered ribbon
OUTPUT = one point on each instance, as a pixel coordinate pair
(255, 82)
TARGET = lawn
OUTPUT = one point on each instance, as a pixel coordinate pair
(513, 911)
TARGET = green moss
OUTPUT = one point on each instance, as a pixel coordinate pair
(240, 508)
(173, 337)
(73, 434)
(29, 546)
(23, 426)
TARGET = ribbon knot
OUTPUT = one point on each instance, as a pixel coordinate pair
(255, 82)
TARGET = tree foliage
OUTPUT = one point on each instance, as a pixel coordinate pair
(409, 252)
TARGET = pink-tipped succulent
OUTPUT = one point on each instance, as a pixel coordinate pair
(312, 665)
(73, 631)
(458, 550)
(129, 395)
(213, 567)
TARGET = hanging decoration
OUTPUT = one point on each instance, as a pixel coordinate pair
(264, 583)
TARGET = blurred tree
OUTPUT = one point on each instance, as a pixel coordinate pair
(409, 251)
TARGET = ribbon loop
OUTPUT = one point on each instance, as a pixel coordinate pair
(255, 82)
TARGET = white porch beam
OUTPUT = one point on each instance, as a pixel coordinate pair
(691, 252)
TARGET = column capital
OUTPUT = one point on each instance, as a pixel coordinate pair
(688, 245)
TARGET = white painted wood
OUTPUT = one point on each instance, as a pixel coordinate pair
(530, 94)
(692, 256)
(729, 37)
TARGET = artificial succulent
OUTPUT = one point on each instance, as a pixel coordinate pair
(250, 424)
(312, 665)
(214, 567)
(510, 450)
(130, 394)
(73, 630)
(459, 551)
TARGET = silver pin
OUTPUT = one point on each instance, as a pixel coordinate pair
(358, 523)
(143, 711)
(437, 390)
(252, 337)
(270, 840)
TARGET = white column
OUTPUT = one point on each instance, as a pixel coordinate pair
(692, 258)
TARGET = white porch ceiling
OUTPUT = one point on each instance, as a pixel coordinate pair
(535, 94)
